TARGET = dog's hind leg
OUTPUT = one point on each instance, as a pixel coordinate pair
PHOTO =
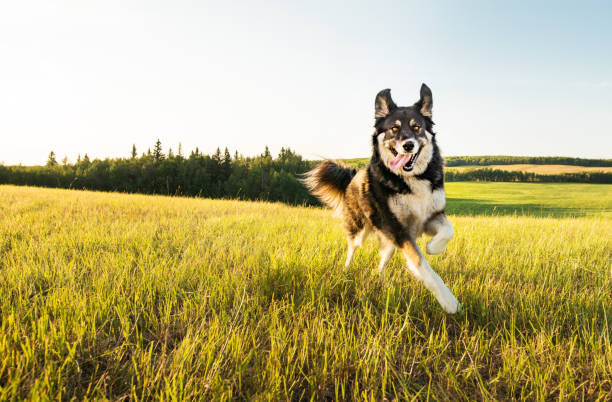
(387, 248)
(442, 231)
(421, 269)
(349, 253)
(354, 242)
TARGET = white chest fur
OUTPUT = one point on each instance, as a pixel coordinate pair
(417, 207)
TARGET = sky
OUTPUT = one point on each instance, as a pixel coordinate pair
(508, 78)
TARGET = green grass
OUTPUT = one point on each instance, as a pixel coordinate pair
(129, 296)
(529, 199)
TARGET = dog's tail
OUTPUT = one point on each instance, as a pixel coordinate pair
(328, 182)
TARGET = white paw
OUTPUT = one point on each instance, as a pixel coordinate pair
(449, 303)
(434, 247)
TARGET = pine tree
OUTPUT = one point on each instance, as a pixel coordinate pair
(65, 161)
(267, 152)
(170, 153)
(227, 163)
(158, 155)
(217, 156)
(180, 150)
(134, 151)
(51, 161)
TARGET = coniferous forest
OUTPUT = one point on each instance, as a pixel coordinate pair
(223, 175)
(220, 175)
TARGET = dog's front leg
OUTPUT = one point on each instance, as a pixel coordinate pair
(442, 231)
(423, 272)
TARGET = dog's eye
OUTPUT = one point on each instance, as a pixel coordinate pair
(395, 129)
(416, 128)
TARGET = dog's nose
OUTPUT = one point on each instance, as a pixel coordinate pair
(408, 146)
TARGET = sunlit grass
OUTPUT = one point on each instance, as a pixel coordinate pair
(529, 199)
(108, 296)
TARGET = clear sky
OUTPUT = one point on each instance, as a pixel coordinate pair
(518, 78)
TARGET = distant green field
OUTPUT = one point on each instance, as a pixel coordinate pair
(357, 163)
(113, 296)
(532, 199)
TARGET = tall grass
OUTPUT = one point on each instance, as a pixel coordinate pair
(128, 296)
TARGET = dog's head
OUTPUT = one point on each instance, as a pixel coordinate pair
(404, 135)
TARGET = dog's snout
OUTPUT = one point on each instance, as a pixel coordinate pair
(408, 146)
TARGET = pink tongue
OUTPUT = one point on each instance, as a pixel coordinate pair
(398, 162)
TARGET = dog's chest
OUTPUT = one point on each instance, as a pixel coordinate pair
(417, 207)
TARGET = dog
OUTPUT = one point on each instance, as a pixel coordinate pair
(398, 196)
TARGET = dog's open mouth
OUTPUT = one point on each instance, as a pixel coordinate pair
(403, 161)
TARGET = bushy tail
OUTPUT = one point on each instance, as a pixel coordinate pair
(328, 182)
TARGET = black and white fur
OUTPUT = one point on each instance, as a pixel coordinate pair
(398, 205)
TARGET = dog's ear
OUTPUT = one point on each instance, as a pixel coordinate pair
(425, 104)
(383, 105)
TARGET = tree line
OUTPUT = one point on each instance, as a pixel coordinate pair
(219, 175)
(487, 174)
(488, 160)
(222, 175)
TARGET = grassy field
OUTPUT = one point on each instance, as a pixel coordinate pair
(529, 199)
(129, 296)
(539, 169)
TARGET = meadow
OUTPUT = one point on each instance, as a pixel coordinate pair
(111, 296)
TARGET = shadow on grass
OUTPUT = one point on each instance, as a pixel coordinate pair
(478, 207)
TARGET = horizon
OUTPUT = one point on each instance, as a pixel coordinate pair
(275, 155)
(96, 78)
(186, 155)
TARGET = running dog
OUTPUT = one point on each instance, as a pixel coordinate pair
(398, 196)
